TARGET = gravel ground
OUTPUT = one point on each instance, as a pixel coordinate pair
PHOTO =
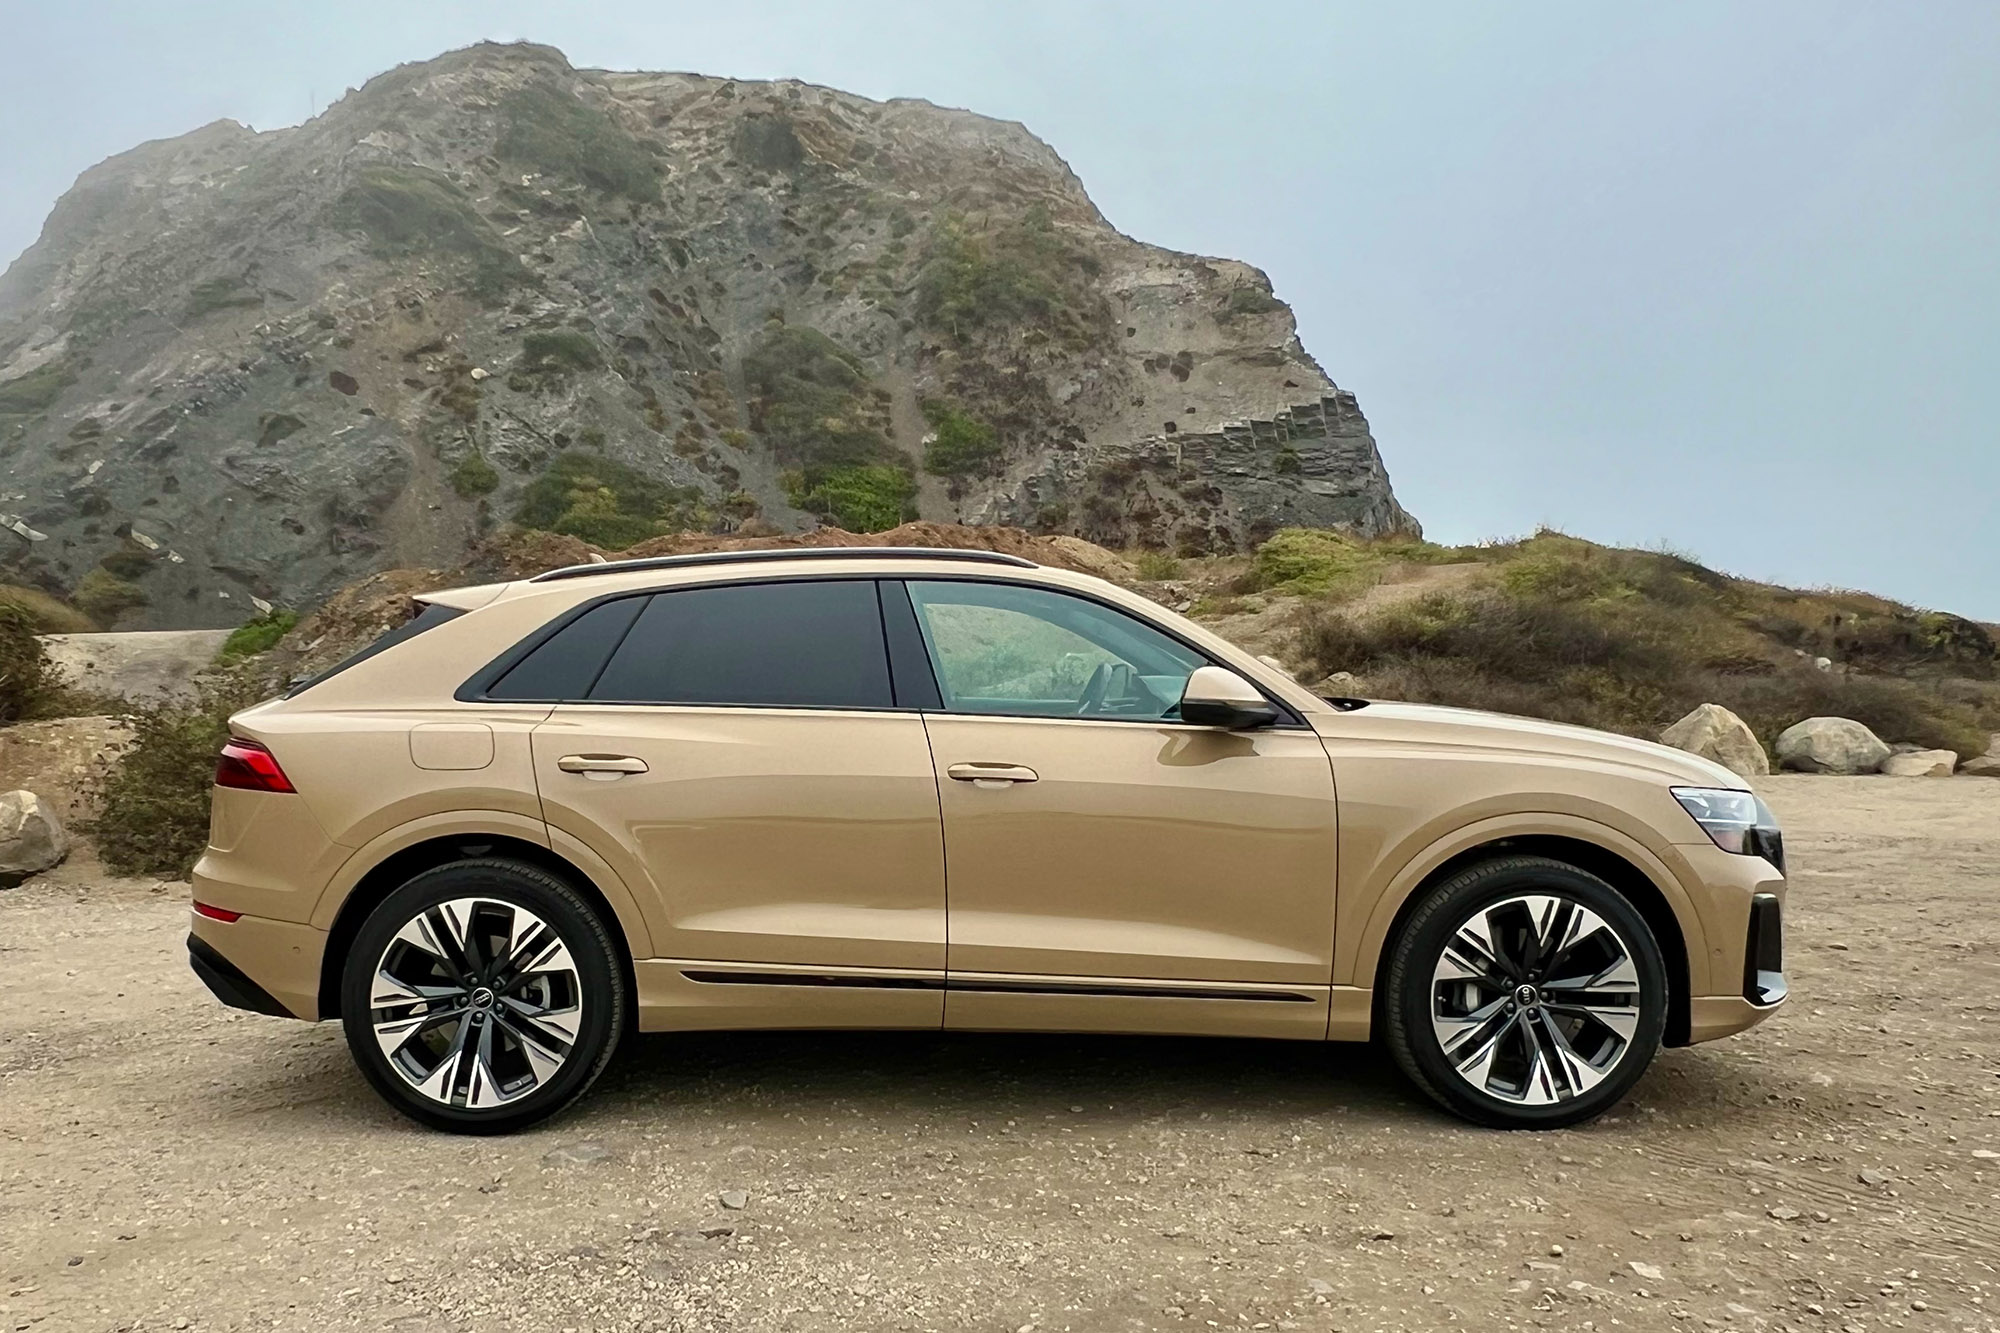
(165, 1163)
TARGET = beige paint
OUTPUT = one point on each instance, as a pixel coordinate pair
(1141, 856)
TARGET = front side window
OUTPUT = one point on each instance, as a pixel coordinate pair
(1029, 652)
(775, 645)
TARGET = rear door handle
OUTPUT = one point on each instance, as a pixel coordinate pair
(997, 775)
(601, 766)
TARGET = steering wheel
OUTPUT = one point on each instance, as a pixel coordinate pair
(1110, 680)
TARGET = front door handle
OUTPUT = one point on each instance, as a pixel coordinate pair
(995, 775)
(601, 766)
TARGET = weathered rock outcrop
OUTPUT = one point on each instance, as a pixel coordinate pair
(1830, 745)
(245, 365)
(1713, 732)
(1920, 764)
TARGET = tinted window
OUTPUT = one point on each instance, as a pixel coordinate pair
(800, 645)
(1002, 648)
(424, 615)
(567, 663)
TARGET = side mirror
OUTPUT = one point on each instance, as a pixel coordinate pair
(1215, 697)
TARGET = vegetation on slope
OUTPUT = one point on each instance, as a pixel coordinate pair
(408, 211)
(1023, 274)
(549, 130)
(607, 503)
(812, 401)
(1630, 640)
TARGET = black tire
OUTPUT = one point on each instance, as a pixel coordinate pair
(590, 996)
(1500, 1098)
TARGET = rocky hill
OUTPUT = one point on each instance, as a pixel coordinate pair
(491, 288)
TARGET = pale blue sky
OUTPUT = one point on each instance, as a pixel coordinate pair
(1719, 275)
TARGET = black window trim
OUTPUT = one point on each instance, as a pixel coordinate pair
(901, 666)
(475, 688)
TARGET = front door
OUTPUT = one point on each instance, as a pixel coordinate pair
(740, 761)
(1110, 867)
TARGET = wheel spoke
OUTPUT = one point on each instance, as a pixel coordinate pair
(1535, 999)
(474, 1009)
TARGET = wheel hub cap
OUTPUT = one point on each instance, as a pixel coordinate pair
(476, 1003)
(1535, 999)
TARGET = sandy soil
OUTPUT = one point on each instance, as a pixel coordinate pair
(165, 1163)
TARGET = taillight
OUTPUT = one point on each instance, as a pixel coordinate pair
(216, 913)
(250, 766)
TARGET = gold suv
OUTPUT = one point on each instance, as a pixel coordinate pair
(950, 789)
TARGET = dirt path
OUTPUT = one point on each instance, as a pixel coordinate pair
(162, 1159)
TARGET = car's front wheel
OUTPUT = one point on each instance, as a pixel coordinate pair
(1524, 993)
(482, 996)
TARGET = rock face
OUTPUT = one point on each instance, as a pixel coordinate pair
(1830, 745)
(1920, 764)
(31, 837)
(1713, 732)
(493, 287)
(140, 667)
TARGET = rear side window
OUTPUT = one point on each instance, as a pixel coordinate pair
(427, 615)
(566, 664)
(781, 645)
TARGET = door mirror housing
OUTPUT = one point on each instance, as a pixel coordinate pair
(1216, 697)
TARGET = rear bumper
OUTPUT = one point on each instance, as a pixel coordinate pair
(228, 984)
(266, 967)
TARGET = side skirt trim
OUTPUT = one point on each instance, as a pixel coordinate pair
(987, 983)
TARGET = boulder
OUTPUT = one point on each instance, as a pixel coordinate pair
(1920, 764)
(31, 837)
(1830, 745)
(1986, 765)
(1713, 732)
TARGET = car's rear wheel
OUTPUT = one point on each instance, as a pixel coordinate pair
(482, 996)
(1524, 993)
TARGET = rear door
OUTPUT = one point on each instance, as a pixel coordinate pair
(740, 757)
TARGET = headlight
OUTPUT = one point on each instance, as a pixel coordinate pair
(1736, 821)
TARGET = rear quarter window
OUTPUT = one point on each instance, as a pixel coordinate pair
(798, 644)
(567, 663)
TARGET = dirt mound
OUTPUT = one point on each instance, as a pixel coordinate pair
(62, 760)
(361, 611)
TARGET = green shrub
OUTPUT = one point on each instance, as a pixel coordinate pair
(1313, 562)
(1243, 301)
(25, 395)
(411, 211)
(26, 680)
(49, 615)
(473, 476)
(553, 353)
(961, 444)
(608, 503)
(857, 497)
(1155, 566)
(257, 635)
(103, 596)
(1022, 273)
(220, 294)
(549, 130)
(156, 797)
(812, 401)
(128, 563)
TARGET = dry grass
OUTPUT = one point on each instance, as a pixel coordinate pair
(1629, 640)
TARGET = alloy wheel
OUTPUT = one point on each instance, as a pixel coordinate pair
(476, 1003)
(1535, 999)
